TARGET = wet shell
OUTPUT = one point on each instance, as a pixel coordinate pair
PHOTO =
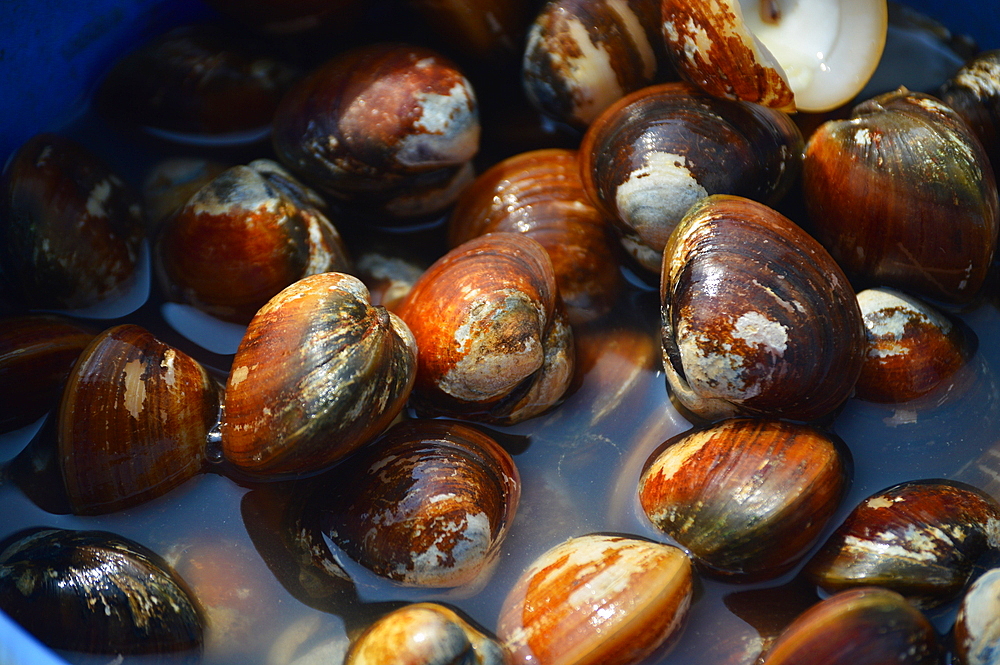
(133, 421)
(920, 539)
(757, 318)
(423, 634)
(243, 237)
(36, 355)
(539, 193)
(747, 498)
(410, 156)
(868, 626)
(72, 228)
(902, 195)
(96, 592)
(977, 626)
(494, 344)
(319, 373)
(597, 599)
(654, 153)
(584, 55)
(911, 347)
(427, 504)
(974, 93)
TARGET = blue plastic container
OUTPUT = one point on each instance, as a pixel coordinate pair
(53, 53)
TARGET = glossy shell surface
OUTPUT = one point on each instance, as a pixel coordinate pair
(494, 344)
(920, 539)
(977, 626)
(974, 93)
(540, 194)
(757, 318)
(597, 599)
(319, 373)
(96, 592)
(428, 504)
(133, 421)
(902, 195)
(747, 498)
(650, 156)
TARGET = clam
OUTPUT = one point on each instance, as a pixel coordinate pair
(920, 539)
(977, 626)
(812, 55)
(97, 592)
(747, 498)
(36, 355)
(902, 195)
(427, 504)
(489, 30)
(866, 626)
(654, 153)
(197, 84)
(171, 182)
(133, 421)
(319, 373)
(242, 238)
(408, 158)
(493, 341)
(72, 228)
(912, 348)
(540, 194)
(757, 318)
(584, 55)
(974, 93)
(594, 599)
(423, 634)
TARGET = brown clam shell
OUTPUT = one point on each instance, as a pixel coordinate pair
(868, 626)
(540, 194)
(37, 353)
(912, 348)
(72, 228)
(423, 633)
(319, 373)
(493, 341)
(597, 600)
(428, 504)
(757, 318)
(974, 93)
(242, 238)
(425, 130)
(584, 55)
(920, 539)
(133, 421)
(902, 195)
(657, 151)
(747, 498)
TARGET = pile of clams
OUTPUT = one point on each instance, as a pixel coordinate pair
(559, 333)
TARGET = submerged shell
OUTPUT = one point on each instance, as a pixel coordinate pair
(96, 592)
(427, 504)
(757, 318)
(977, 626)
(319, 373)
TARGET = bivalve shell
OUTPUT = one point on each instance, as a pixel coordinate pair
(977, 626)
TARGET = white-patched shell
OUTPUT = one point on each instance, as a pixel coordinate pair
(597, 599)
(977, 626)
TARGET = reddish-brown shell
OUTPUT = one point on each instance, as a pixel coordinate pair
(974, 93)
(597, 600)
(494, 344)
(919, 538)
(657, 151)
(382, 125)
(869, 626)
(758, 319)
(36, 355)
(747, 498)
(72, 228)
(319, 373)
(427, 504)
(133, 421)
(242, 238)
(540, 194)
(911, 347)
(902, 195)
